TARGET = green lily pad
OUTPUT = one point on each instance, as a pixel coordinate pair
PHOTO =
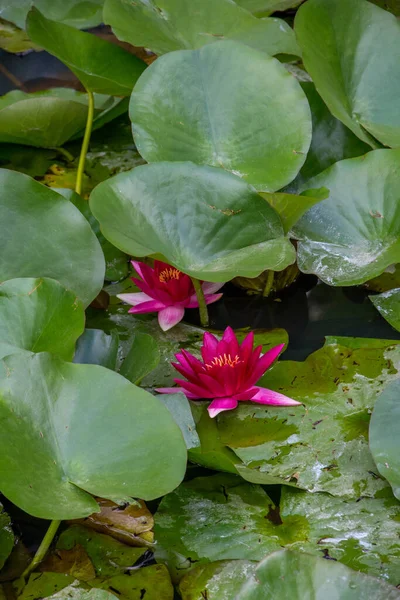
(95, 347)
(331, 140)
(224, 228)
(224, 518)
(77, 13)
(291, 207)
(109, 556)
(43, 585)
(216, 581)
(13, 39)
(39, 315)
(142, 358)
(100, 66)
(44, 235)
(46, 119)
(75, 592)
(388, 305)
(179, 407)
(384, 436)
(6, 536)
(354, 235)
(150, 583)
(267, 7)
(167, 25)
(356, 69)
(81, 430)
(242, 111)
(322, 446)
(25, 159)
(298, 576)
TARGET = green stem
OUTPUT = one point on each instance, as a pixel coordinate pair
(202, 303)
(67, 155)
(85, 143)
(269, 283)
(43, 548)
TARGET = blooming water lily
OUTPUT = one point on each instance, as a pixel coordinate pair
(168, 291)
(227, 373)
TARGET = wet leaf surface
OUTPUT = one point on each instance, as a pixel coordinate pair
(388, 305)
(142, 358)
(179, 407)
(216, 581)
(43, 585)
(95, 347)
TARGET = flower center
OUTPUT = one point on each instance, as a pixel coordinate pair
(224, 360)
(169, 274)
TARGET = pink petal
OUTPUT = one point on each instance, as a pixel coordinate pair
(134, 299)
(146, 307)
(247, 347)
(192, 302)
(264, 363)
(152, 291)
(211, 288)
(209, 298)
(170, 316)
(138, 267)
(220, 404)
(197, 391)
(209, 348)
(172, 390)
(264, 396)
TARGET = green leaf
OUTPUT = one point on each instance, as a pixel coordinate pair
(77, 13)
(141, 359)
(167, 25)
(25, 159)
(353, 236)
(241, 111)
(44, 235)
(95, 347)
(150, 583)
(331, 140)
(291, 207)
(13, 39)
(109, 556)
(179, 407)
(388, 305)
(39, 315)
(44, 585)
(100, 66)
(352, 52)
(295, 575)
(6, 536)
(216, 581)
(213, 227)
(74, 592)
(224, 518)
(266, 7)
(80, 430)
(322, 446)
(384, 436)
(46, 119)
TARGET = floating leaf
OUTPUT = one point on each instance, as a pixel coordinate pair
(74, 592)
(167, 25)
(224, 228)
(39, 315)
(354, 235)
(323, 447)
(291, 207)
(356, 69)
(43, 235)
(179, 407)
(388, 305)
(296, 575)
(224, 518)
(95, 347)
(216, 581)
(6, 536)
(109, 556)
(211, 121)
(77, 13)
(150, 583)
(43, 585)
(81, 429)
(74, 562)
(384, 436)
(142, 358)
(100, 66)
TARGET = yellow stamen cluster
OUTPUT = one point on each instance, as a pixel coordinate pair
(168, 274)
(223, 360)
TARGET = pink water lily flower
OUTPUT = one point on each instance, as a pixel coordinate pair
(167, 291)
(227, 373)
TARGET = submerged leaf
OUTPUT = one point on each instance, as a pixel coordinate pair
(211, 121)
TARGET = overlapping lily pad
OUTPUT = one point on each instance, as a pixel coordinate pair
(223, 518)
(167, 25)
(216, 581)
(267, 7)
(323, 446)
(39, 315)
(224, 228)
(352, 52)
(388, 305)
(43, 235)
(49, 118)
(354, 235)
(241, 111)
(101, 66)
(77, 13)
(95, 347)
(63, 438)
(384, 436)
(299, 576)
